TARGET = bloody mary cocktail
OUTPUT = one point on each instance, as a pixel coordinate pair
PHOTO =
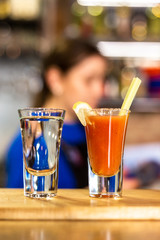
(105, 132)
(105, 141)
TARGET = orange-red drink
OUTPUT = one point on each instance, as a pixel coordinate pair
(105, 140)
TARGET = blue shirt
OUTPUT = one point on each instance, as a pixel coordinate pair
(72, 161)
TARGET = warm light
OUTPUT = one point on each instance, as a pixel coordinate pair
(4, 9)
(78, 10)
(117, 3)
(95, 11)
(156, 11)
(130, 49)
(139, 31)
(128, 74)
(149, 13)
(25, 9)
(123, 12)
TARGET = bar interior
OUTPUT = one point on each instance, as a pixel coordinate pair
(92, 174)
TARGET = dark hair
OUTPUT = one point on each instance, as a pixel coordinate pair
(64, 56)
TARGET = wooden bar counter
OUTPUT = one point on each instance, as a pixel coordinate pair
(74, 215)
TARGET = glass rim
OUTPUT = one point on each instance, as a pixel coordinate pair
(41, 112)
(36, 109)
(110, 110)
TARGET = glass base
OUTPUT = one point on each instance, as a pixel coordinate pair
(105, 187)
(40, 186)
(107, 195)
(40, 195)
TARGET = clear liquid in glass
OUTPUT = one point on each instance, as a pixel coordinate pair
(41, 138)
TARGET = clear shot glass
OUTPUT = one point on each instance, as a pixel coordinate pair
(41, 131)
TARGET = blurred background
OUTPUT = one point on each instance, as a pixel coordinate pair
(127, 34)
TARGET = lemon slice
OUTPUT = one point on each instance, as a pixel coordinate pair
(79, 108)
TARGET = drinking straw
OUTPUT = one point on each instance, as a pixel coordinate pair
(130, 94)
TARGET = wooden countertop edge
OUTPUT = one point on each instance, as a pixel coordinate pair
(115, 213)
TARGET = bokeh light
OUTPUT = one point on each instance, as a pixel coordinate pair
(127, 75)
(123, 12)
(5, 8)
(139, 31)
(78, 10)
(156, 11)
(95, 11)
(28, 10)
(149, 14)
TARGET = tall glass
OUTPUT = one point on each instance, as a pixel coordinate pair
(41, 130)
(105, 133)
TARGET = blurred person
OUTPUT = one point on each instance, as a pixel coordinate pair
(74, 71)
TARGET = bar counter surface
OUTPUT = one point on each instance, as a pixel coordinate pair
(74, 215)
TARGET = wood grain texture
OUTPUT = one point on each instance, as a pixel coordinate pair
(77, 205)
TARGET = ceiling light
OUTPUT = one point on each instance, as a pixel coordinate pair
(130, 49)
(118, 3)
